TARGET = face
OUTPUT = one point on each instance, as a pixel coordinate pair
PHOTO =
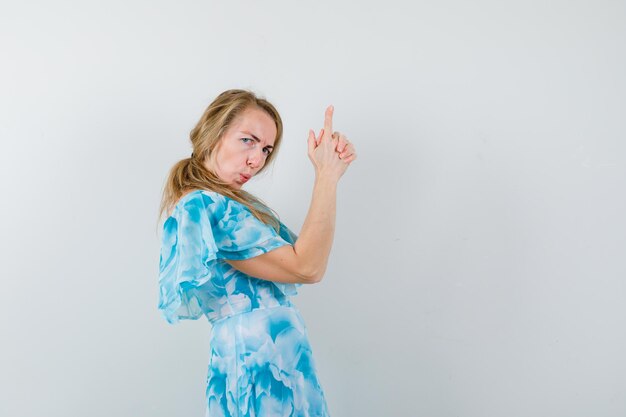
(244, 147)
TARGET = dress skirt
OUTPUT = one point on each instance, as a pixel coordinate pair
(261, 365)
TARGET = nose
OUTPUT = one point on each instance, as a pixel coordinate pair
(255, 160)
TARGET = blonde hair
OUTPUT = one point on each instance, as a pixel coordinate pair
(190, 174)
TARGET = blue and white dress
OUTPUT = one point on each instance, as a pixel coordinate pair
(261, 362)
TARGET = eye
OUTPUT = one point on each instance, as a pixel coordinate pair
(246, 140)
(267, 151)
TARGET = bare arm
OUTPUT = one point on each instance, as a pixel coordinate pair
(306, 261)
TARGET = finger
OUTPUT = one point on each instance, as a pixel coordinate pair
(328, 119)
(348, 149)
(345, 154)
(311, 141)
(340, 141)
(319, 138)
(335, 138)
(343, 144)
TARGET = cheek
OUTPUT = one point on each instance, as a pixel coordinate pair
(234, 160)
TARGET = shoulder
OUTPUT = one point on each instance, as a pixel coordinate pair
(205, 203)
(196, 199)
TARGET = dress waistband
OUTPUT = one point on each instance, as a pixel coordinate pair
(245, 306)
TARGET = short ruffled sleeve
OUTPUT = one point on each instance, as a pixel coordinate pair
(206, 227)
(187, 261)
(240, 235)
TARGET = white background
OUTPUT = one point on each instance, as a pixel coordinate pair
(479, 260)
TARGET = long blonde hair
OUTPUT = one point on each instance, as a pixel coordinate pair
(190, 174)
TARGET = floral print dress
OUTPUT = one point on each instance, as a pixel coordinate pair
(261, 362)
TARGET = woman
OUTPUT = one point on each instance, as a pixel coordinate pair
(226, 256)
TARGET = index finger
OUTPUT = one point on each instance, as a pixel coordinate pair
(328, 119)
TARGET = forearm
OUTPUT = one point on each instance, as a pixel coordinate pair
(316, 237)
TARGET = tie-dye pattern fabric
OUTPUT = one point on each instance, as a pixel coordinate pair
(261, 362)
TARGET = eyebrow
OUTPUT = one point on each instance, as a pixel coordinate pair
(255, 138)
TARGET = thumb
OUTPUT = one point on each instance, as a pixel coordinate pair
(311, 141)
(319, 137)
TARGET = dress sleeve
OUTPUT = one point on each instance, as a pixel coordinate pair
(187, 261)
(240, 235)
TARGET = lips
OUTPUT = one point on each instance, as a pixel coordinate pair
(245, 177)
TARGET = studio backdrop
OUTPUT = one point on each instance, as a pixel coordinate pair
(478, 265)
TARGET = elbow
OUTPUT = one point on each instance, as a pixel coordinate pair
(314, 279)
(312, 276)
